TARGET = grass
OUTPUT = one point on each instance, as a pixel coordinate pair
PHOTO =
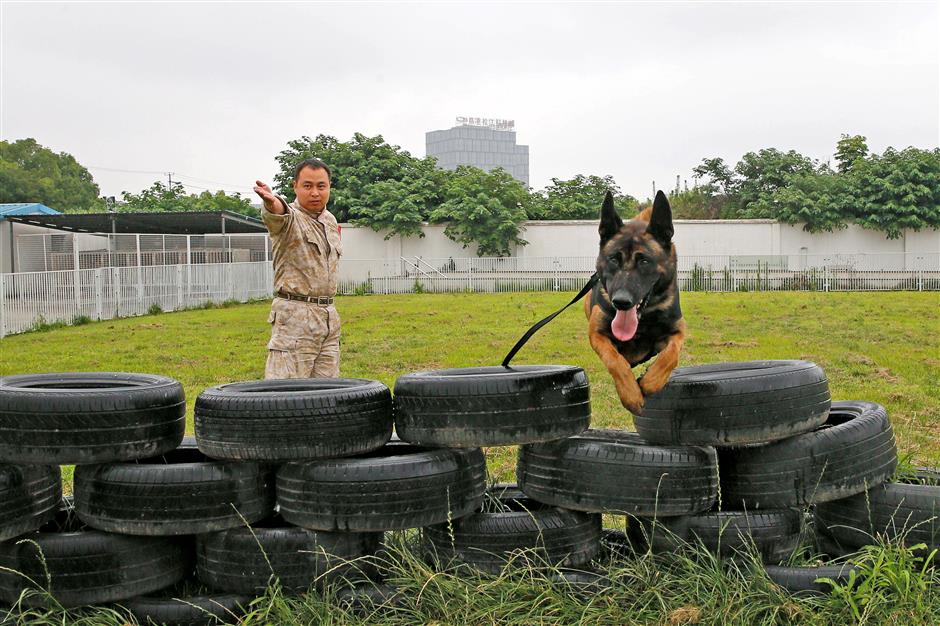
(882, 347)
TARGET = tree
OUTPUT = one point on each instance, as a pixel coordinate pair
(485, 208)
(816, 199)
(400, 206)
(718, 176)
(760, 174)
(850, 149)
(30, 172)
(579, 198)
(165, 198)
(896, 190)
(355, 165)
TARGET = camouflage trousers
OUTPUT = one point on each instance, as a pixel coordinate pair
(304, 340)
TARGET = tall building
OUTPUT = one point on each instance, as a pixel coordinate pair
(481, 142)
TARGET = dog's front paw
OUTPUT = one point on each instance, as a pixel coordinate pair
(650, 384)
(631, 398)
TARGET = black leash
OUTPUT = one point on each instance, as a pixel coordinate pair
(528, 335)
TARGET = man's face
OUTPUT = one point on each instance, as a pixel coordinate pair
(313, 189)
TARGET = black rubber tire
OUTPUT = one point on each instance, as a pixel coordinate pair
(399, 486)
(775, 534)
(616, 544)
(285, 420)
(29, 497)
(487, 540)
(89, 566)
(736, 403)
(891, 510)
(851, 452)
(492, 406)
(615, 471)
(830, 547)
(94, 417)
(187, 611)
(802, 580)
(178, 493)
(237, 560)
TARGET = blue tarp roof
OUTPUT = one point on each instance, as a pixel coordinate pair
(26, 208)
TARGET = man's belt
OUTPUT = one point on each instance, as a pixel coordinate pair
(321, 300)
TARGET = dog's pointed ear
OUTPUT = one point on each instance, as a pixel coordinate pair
(610, 221)
(660, 226)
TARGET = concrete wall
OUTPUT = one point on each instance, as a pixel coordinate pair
(693, 237)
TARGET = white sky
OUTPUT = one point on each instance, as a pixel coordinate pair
(641, 91)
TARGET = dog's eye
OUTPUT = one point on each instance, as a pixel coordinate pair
(614, 258)
(642, 261)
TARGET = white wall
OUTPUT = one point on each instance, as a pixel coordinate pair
(693, 237)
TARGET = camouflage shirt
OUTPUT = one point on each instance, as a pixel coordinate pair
(307, 249)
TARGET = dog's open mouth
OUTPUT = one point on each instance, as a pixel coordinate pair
(625, 323)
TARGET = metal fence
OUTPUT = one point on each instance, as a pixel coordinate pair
(68, 251)
(798, 272)
(29, 299)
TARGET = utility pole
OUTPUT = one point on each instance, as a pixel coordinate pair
(169, 179)
(654, 189)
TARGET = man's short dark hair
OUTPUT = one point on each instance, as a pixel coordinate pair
(315, 164)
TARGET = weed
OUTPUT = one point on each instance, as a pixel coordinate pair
(154, 309)
(40, 325)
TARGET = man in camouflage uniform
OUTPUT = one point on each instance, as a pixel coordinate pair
(305, 325)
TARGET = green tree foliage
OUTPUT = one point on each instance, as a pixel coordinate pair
(896, 190)
(888, 192)
(30, 172)
(165, 198)
(400, 206)
(816, 199)
(850, 149)
(760, 174)
(579, 198)
(485, 208)
(356, 165)
(719, 179)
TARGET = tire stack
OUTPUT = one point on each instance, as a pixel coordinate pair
(340, 484)
(471, 408)
(295, 481)
(782, 447)
(96, 421)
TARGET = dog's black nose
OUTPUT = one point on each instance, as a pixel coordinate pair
(622, 300)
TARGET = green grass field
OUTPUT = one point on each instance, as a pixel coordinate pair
(882, 347)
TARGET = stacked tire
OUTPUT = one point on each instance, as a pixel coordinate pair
(783, 448)
(471, 408)
(294, 482)
(92, 420)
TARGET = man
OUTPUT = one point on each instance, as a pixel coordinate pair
(307, 247)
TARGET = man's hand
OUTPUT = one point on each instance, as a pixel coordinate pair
(272, 204)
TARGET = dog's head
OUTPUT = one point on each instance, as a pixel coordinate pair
(634, 257)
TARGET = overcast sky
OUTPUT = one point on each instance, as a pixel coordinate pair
(641, 91)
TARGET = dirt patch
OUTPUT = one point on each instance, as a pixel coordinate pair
(885, 373)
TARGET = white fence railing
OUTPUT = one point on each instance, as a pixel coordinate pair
(29, 299)
(855, 272)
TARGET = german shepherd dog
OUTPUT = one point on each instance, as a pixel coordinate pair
(633, 311)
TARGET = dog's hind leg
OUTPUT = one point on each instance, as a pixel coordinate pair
(631, 397)
(658, 373)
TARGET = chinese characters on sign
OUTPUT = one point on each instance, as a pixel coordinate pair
(487, 122)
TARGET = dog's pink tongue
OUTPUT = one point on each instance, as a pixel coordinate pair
(624, 325)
